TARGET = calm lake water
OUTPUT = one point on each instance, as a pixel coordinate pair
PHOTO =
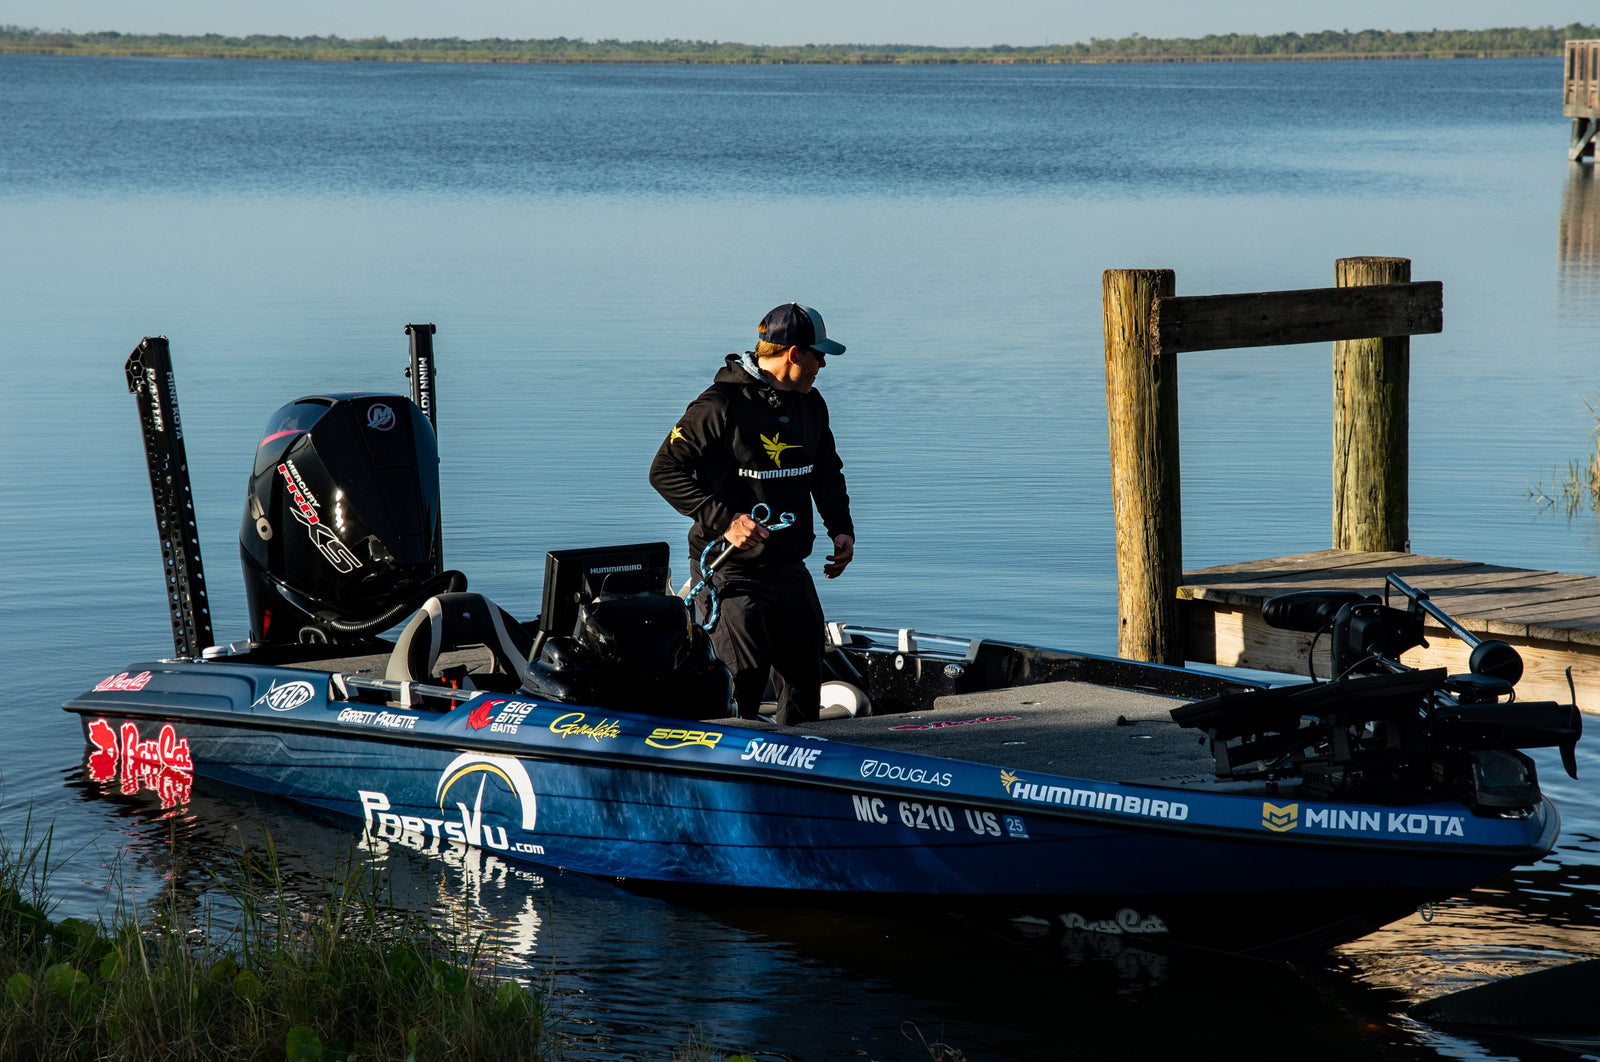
(590, 241)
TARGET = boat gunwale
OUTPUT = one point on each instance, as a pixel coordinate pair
(772, 775)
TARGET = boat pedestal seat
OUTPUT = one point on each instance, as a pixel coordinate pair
(463, 621)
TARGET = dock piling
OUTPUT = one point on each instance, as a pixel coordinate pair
(1371, 424)
(1147, 326)
(1580, 97)
(1142, 409)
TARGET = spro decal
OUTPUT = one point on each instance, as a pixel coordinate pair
(164, 766)
(667, 737)
(380, 417)
(500, 715)
(123, 681)
(947, 723)
(763, 751)
(306, 510)
(895, 772)
(572, 725)
(935, 817)
(1096, 799)
(467, 825)
(1127, 920)
(1408, 823)
(287, 697)
(388, 720)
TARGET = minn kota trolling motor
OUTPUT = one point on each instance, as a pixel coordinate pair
(1381, 728)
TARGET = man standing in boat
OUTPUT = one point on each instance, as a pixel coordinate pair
(759, 436)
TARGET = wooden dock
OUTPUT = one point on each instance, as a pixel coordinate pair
(1551, 618)
(1580, 97)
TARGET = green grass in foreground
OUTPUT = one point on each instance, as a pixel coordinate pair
(354, 979)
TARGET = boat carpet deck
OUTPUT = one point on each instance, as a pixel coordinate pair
(1065, 728)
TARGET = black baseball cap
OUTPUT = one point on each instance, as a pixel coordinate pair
(794, 325)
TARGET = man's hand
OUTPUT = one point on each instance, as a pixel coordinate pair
(745, 532)
(844, 551)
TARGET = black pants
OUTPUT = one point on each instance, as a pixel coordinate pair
(770, 624)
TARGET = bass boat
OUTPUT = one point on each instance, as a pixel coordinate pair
(1070, 790)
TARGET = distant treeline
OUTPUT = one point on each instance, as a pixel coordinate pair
(1329, 44)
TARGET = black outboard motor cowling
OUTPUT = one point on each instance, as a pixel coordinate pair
(340, 538)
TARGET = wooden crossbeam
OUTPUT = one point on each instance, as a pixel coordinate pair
(1311, 315)
(1583, 138)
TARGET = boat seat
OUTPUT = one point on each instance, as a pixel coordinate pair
(451, 622)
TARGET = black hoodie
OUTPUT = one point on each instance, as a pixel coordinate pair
(741, 442)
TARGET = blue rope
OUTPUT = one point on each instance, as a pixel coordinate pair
(760, 514)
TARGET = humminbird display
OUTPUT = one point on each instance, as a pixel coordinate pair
(572, 575)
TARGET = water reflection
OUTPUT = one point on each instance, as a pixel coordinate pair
(636, 976)
(1578, 248)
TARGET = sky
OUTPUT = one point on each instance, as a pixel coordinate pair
(947, 23)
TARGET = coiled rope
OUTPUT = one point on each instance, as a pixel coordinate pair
(708, 567)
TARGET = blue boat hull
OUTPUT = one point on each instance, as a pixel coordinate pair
(657, 800)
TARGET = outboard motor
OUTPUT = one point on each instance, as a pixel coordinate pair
(341, 533)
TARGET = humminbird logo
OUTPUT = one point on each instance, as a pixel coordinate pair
(776, 473)
(1094, 799)
(677, 433)
(617, 568)
(775, 447)
(1280, 820)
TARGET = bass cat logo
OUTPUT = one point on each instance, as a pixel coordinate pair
(508, 772)
(164, 765)
(123, 681)
(380, 417)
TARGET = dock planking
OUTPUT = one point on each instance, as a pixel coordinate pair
(1552, 618)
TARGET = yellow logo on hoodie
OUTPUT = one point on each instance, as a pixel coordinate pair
(775, 447)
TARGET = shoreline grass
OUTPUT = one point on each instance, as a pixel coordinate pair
(353, 979)
(1504, 42)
